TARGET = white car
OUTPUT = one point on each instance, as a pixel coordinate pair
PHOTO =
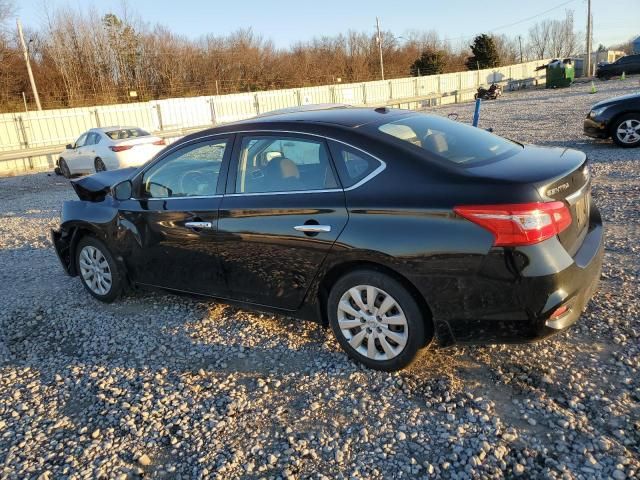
(109, 148)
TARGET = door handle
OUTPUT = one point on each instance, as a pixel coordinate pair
(199, 225)
(312, 228)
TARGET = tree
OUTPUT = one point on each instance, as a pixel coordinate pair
(7, 9)
(507, 48)
(430, 62)
(539, 36)
(485, 53)
(562, 39)
(554, 38)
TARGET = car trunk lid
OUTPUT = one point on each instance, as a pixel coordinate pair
(556, 174)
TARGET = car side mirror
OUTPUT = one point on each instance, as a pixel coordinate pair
(69, 146)
(123, 190)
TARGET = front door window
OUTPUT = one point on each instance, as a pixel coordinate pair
(192, 171)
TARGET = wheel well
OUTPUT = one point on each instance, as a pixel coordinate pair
(332, 276)
(76, 236)
(617, 117)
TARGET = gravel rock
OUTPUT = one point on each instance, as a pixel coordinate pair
(207, 390)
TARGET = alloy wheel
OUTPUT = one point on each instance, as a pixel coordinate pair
(373, 322)
(95, 270)
(629, 131)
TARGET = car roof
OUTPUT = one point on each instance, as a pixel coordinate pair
(114, 127)
(336, 115)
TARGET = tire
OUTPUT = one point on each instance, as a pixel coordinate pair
(64, 168)
(386, 351)
(92, 256)
(630, 124)
(99, 165)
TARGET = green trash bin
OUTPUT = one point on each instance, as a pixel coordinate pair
(560, 74)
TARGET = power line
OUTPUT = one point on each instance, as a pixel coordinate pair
(501, 27)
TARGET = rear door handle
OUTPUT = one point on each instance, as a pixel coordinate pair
(312, 228)
(199, 225)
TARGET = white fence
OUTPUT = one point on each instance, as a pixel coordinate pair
(30, 134)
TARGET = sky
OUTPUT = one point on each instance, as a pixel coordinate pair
(286, 22)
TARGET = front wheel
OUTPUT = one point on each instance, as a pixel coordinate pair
(376, 320)
(625, 131)
(64, 168)
(98, 270)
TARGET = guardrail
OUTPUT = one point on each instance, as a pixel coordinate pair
(31, 141)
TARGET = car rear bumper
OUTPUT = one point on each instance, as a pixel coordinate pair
(595, 129)
(520, 310)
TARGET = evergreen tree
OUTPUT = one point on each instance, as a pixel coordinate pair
(430, 62)
(485, 53)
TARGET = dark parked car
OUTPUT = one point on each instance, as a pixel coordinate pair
(618, 118)
(627, 64)
(393, 227)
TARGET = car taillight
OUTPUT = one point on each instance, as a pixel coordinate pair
(519, 224)
(120, 148)
(160, 142)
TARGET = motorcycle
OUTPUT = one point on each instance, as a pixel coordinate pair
(491, 93)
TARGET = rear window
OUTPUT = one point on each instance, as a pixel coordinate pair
(449, 140)
(124, 133)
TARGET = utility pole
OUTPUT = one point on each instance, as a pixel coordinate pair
(26, 59)
(587, 62)
(520, 41)
(380, 48)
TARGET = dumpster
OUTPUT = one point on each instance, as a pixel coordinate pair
(560, 73)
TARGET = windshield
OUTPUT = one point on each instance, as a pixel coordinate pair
(449, 140)
(124, 133)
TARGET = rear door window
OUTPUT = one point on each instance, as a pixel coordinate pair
(353, 165)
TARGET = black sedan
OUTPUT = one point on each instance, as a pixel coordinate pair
(393, 227)
(628, 64)
(618, 118)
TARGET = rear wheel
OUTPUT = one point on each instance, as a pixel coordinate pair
(64, 168)
(376, 320)
(625, 131)
(98, 270)
(99, 165)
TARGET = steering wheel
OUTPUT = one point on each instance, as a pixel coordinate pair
(193, 181)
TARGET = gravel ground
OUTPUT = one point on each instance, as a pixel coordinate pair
(162, 386)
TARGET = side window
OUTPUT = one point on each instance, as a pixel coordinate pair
(283, 164)
(188, 172)
(81, 141)
(352, 165)
(92, 138)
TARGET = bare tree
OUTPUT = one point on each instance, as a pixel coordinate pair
(563, 41)
(554, 38)
(87, 57)
(539, 36)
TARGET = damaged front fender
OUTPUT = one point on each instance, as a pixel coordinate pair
(82, 218)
